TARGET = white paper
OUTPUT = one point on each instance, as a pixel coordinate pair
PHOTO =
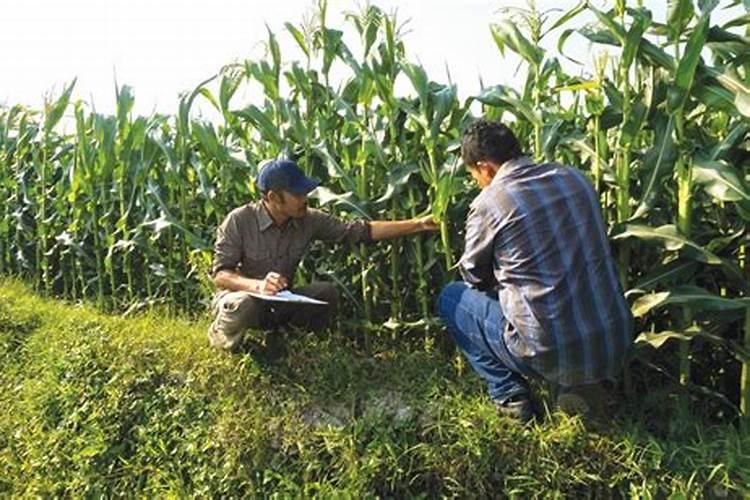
(287, 296)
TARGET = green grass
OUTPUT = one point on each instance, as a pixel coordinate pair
(95, 405)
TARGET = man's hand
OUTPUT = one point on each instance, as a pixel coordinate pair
(272, 284)
(427, 223)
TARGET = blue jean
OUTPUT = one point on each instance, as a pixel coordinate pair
(476, 323)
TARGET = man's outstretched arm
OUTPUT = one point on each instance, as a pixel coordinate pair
(386, 229)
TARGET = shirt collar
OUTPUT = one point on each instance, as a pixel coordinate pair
(265, 220)
(509, 166)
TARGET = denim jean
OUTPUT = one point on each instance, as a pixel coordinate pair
(476, 323)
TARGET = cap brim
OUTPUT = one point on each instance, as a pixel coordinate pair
(305, 186)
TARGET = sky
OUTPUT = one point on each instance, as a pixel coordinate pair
(163, 47)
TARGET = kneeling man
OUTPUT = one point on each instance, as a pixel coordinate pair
(540, 295)
(259, 245)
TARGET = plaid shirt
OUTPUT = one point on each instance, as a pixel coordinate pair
(537, 235)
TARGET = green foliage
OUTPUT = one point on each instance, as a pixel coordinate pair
(122, 209)
(95, 405)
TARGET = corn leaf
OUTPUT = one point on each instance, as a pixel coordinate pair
(641, 22)
(730, 81)
(332, 47)
(683, 79)
(607, 19)
(679, 15)
(675, 271)
(635, 122)
(565, 18)
(719, 180)
(655, 56)
(53, 111)
(335, 169)
(672, 240)
(419, 81)
(210, 98)
(186, 102)
(579, 142)
(697, 298)
(348, 200)
(125, 101)
(261, 121)
(733, 139)
(658, 339)
(298, 37)
(443, 99)
(597, 35)
(500, 96)
(396, 178)
(657, 162)
(505, 33)
(742, 20)
(707, 6)
(274, 50)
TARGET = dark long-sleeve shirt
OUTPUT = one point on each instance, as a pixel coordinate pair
(537, 235)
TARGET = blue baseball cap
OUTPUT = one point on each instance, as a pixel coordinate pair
(284, 175)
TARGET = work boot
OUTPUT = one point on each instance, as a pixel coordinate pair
(582, 400)
(518, 407)
(275, 344)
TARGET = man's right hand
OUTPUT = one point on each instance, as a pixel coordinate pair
(272, 284)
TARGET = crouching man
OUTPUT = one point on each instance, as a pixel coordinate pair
(540, 295)
(259, 245)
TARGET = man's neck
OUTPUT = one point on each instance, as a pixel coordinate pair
(278, 219)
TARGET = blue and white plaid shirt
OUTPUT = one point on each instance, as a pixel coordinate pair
(537, 235)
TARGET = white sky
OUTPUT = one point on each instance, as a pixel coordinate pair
(164, 47)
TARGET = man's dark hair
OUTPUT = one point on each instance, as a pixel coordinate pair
(487, 140)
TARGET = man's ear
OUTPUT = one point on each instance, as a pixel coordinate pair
(483, 167)
(488, 168)
(272, 196)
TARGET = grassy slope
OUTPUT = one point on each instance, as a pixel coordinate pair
(93, 404)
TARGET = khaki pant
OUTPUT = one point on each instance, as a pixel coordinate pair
(235, 312)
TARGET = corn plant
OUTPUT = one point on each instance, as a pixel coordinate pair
(121, 209)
